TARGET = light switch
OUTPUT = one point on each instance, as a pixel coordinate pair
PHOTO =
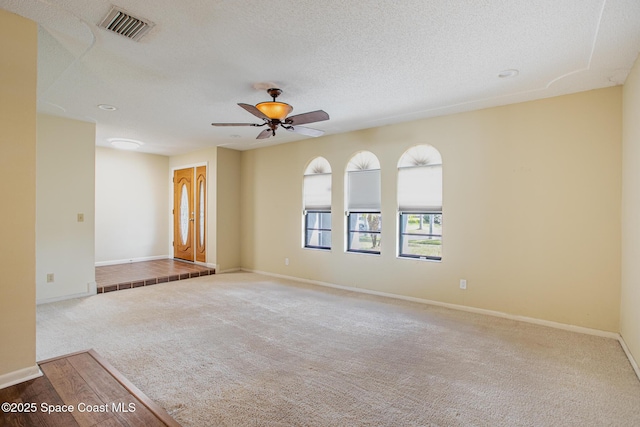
(80, 217)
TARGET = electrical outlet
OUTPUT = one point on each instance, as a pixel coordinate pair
(463, 284)
(286, 261)
(50, 278)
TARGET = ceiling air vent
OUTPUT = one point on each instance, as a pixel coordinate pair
(125, 24)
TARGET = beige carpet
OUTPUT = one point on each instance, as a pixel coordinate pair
(243, 349)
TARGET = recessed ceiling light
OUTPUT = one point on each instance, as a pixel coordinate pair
(234, 136)
(125, 144)
(107, 107)
(505, 74)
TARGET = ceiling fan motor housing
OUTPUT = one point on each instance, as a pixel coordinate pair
(274, 92)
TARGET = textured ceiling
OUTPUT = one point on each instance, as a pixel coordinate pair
(367, 63)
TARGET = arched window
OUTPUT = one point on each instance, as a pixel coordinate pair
(420, 203)
(364, 220)
(317, 204)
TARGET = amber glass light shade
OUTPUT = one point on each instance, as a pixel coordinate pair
(275, 110)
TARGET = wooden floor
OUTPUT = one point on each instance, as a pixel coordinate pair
(98, 394)
(135, 274)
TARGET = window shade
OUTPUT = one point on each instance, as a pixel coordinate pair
(317, 192)
(420, 189)
(364, 191)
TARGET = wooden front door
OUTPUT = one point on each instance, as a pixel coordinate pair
(183, 214)
(190, 214)
(201, 213)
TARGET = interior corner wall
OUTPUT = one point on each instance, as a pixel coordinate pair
(65, 172)
(132, 207)
(209, 157)
(531, 210)
(630, 291)
(18, 62)
(228, 207)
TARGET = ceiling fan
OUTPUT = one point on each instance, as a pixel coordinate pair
(274, 114)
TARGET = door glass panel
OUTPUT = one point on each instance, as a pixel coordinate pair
(201, 223)
(184, 214)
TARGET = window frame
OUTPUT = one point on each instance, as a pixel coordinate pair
(402, 233)
(363, 196)
(350, 233)
(307, 229)
(316, 199)
(419, 193)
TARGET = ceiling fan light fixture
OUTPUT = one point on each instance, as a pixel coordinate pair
(275, 114)
(275, 109)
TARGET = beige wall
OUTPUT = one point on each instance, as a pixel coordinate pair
(630, 295)
(228, 207)
(18, 53)
(132, 206)
(209, 157)
(531, 210)
(65, 154)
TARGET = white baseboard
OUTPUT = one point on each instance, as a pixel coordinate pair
(129, 260)
(19, 376)
(206, 264)
(556, 325)
(91, 291)
(633, 362)
(533, 320)
(203, 264)
(229, 270)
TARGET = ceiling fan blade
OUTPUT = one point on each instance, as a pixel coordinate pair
(253, 110)
(234, 124)
(310, 117)
(265, 134)
(305, 131)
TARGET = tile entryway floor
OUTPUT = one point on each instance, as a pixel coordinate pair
(135, 274)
